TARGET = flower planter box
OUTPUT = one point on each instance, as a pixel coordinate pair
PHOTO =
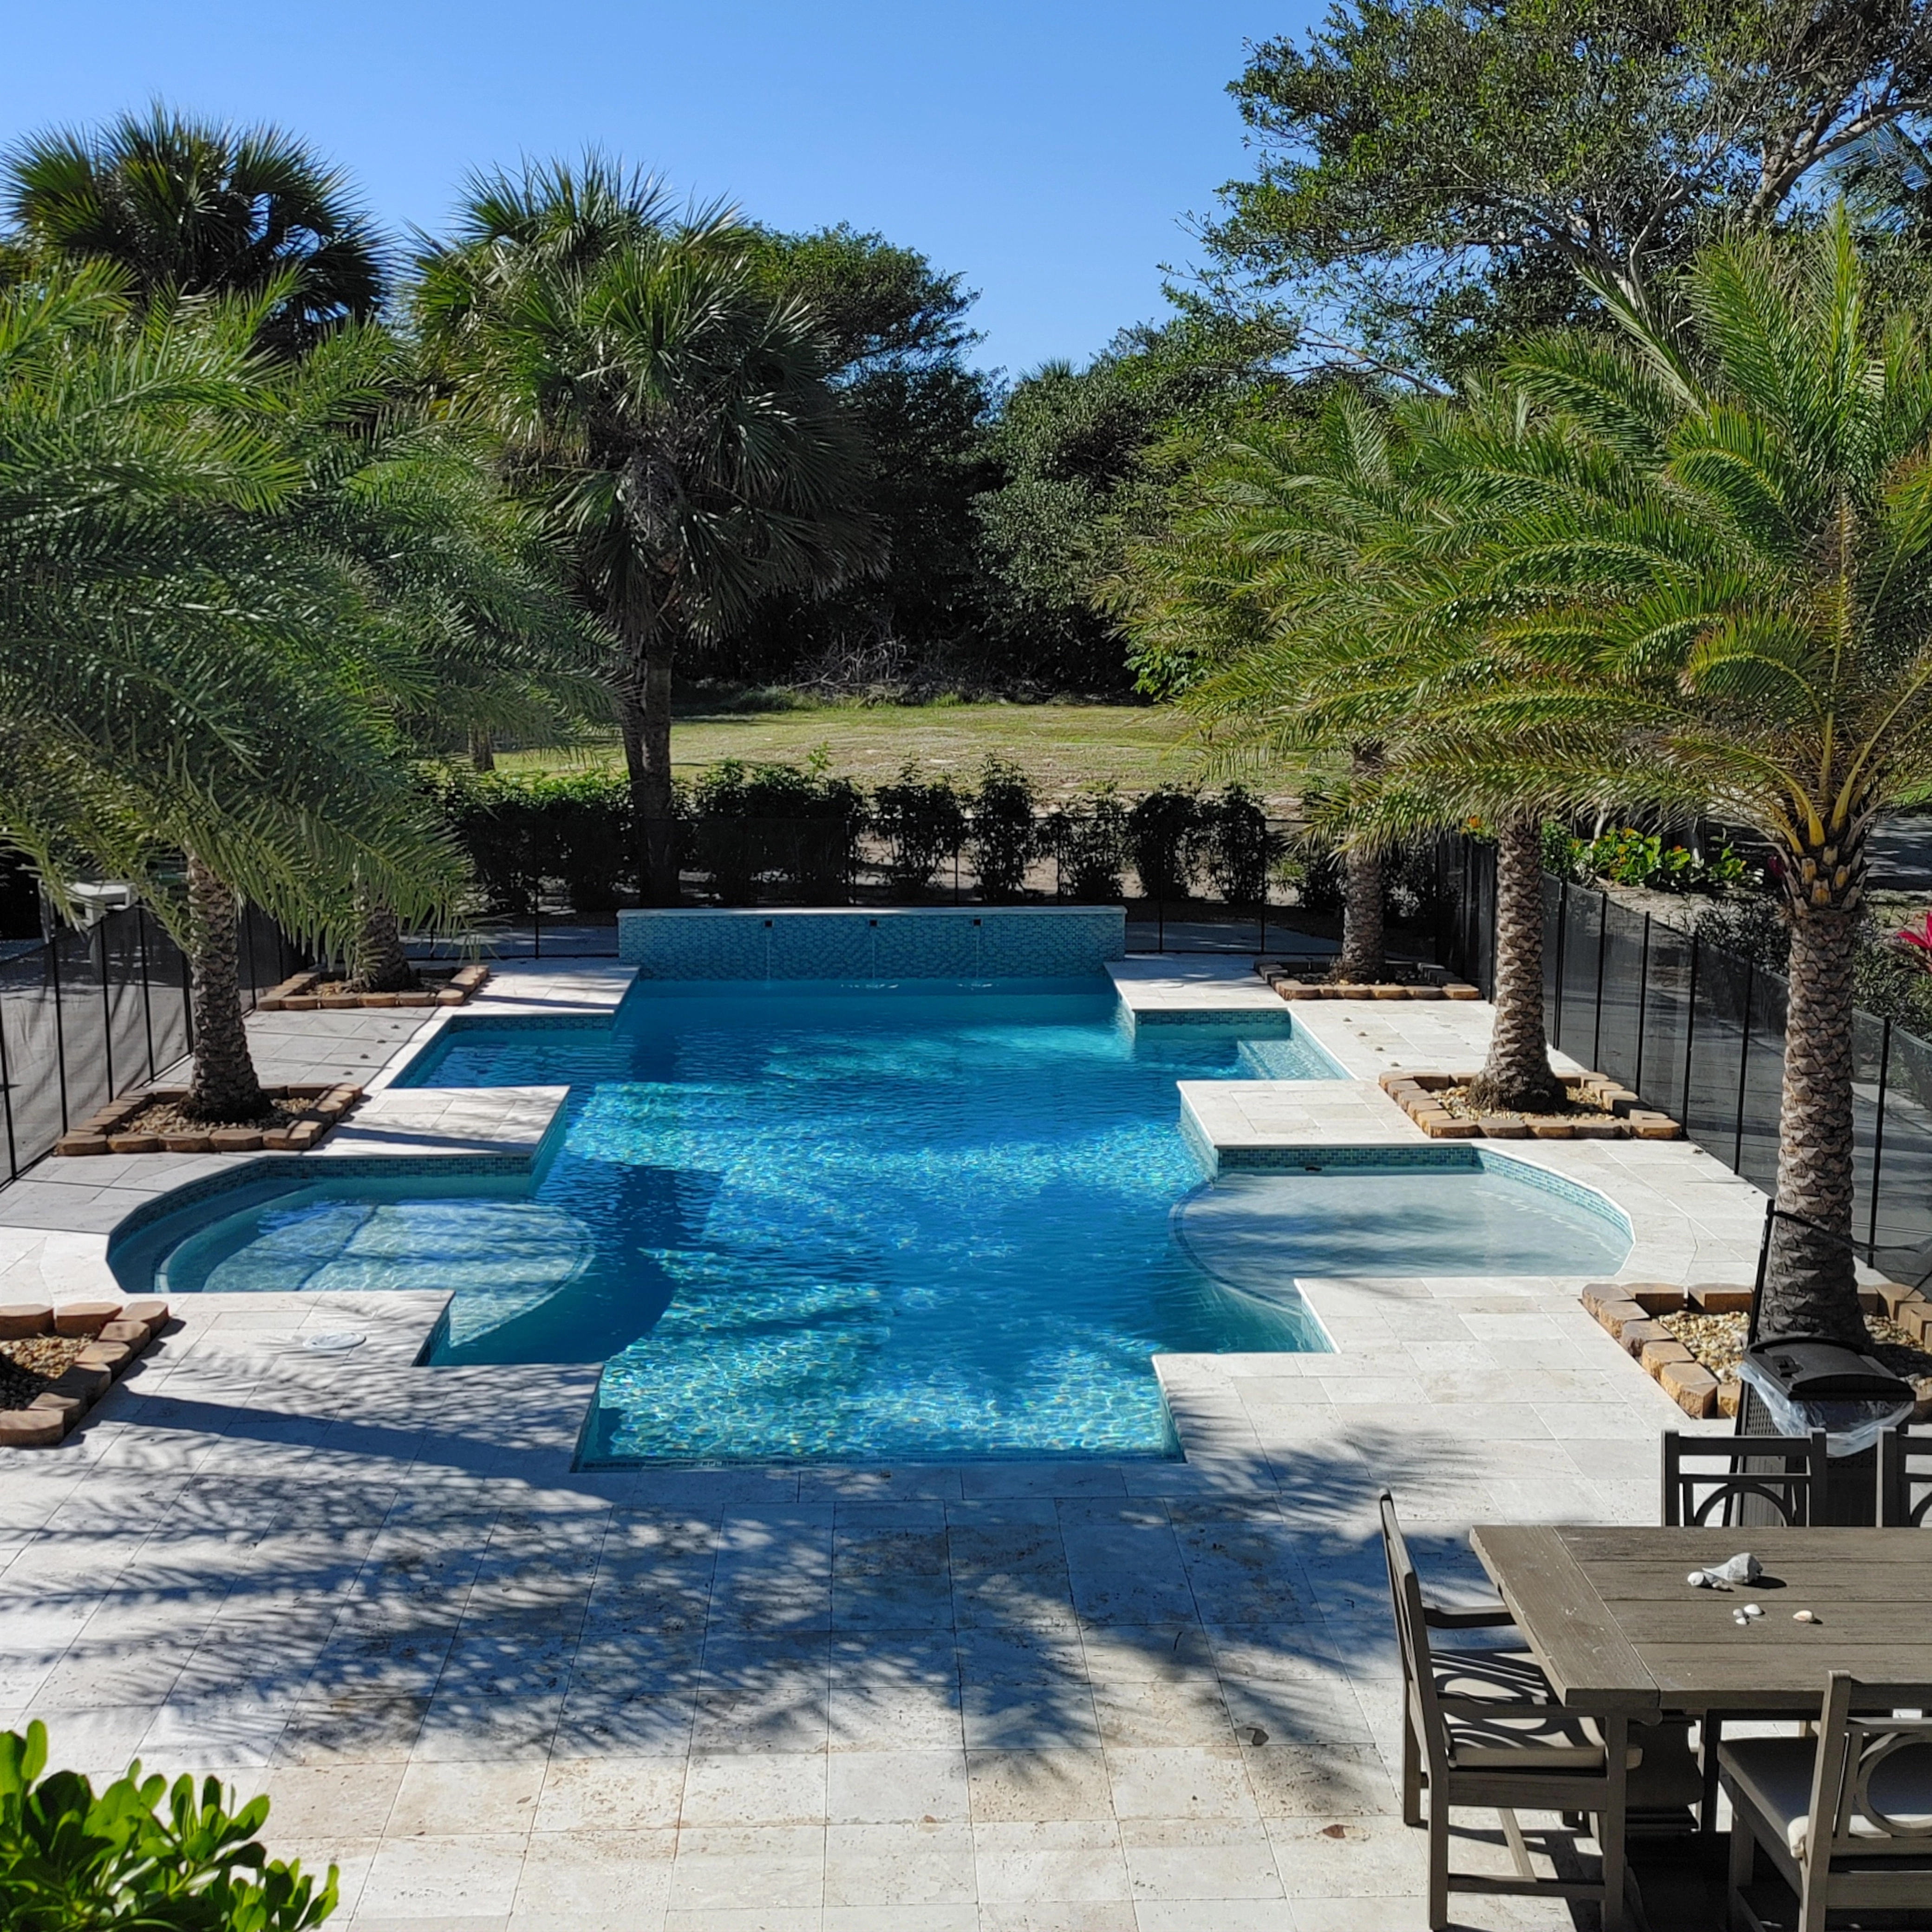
(106, 1131)
(301, 993)
(1623, 1116)
(117, 1334)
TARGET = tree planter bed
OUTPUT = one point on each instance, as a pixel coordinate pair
(115, 1129)
(1636, 1313)
(307, 992)
(111, 1335)
(1604, 1111)
(1306, 977)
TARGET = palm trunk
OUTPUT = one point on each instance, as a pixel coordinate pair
(1517, 1074)
(1362, 955)
(225, 1088)
(1810, 1285)
(644, 705)
(482, 751)
(382, 966)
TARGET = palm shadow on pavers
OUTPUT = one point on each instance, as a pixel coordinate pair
(1025, 1688)
(763, 1692)
(895, 1690)
(1007, 1564)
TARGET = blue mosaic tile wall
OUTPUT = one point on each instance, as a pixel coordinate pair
(894, 943)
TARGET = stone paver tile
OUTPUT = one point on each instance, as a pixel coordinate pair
(1195, 1859)
(366, 1730)
(440, 1800)
(900, 1918)
(883, 1787)
(1294, 1710)
(416, 1878)
(610, 1794)
(93, 1735)
(1065, 1861)
(1117, 1654)
(1027, 1787)
(1184, 1783)
(998, 1716)
(236, 1731)
(911, 1601)
(1059, 1915)
(327, 1801)
(637, 1723)
(481, 1730)
(1322, 1781)
(918, 1713)
(899, 1864)
(572, 1877)
(1361, 1857)
(1215, 1914)
(780, 1788)
(1157, 1713)
(768, 1867)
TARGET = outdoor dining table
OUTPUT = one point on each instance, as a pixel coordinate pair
(1608, 1614)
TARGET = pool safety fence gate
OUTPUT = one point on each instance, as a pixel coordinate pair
(90, 1012)
(1698, 1031)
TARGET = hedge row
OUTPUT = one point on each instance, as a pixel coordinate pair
(751, 828)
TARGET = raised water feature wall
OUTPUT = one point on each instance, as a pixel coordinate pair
(889, 942)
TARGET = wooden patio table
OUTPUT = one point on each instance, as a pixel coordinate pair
(1608, 1614)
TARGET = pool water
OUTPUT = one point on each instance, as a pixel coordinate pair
(817, 1223)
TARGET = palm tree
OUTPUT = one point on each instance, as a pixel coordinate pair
(173, 672)
(1706, 580)
(669, 410)
(188, 207)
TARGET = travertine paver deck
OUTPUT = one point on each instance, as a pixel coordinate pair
(1009, 1698)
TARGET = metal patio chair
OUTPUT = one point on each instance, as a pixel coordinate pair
(1845, 1818)
(1904, 1478)
(1700, 1472)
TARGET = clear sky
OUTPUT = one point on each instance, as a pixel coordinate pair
(1049, 150)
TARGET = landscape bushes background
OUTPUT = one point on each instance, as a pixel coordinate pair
(751, 830)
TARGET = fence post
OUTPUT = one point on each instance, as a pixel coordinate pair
(1689, 1032)
(1744, 1067)
(6, 1098)
(1878, 1141)
(147, 1003)
(60, 1024)
(1562, 935)
(1602, 941)
(1642, 1005)
(106, 1008)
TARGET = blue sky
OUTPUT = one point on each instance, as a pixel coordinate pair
(1048, 150)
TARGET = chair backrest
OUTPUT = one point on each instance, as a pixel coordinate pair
(1904, 1479)
(1707, 1477)
(1860, 1726)
(1412, 1634)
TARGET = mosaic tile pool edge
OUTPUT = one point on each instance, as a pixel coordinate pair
(902, 942)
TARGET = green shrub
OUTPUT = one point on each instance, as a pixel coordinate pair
(138, 1855)
(753, 825)
(1004, 838)
(1164, 831)
(922, 822)
(493, 821)
(1240, 851)
(1090, 840)
(1628, 857)
(581, 822)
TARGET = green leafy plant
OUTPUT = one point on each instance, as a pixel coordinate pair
(1628, 857)
(755, 823)
(1164, 830)
(1004, 838)
(139, 1854)
(922, 822)
(1090, 841)
(1241, 851)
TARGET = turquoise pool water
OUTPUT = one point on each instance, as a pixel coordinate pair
(815, 1223)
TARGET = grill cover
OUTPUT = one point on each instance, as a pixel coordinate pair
(1810, 1368)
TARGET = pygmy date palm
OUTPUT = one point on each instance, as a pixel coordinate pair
(1707, 581)
(669, 410)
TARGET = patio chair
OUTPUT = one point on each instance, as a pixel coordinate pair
(1904, 1479)
(1482, 1729)
(1692, 1493)
(1845, 1818)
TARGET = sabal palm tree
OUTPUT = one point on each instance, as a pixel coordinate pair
(1707, 580)
(187, 208)
(172, 655)
(669, 409)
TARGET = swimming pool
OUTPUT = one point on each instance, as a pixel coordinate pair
(805, 1221)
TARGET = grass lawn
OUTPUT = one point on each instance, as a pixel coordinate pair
(1060, 745)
